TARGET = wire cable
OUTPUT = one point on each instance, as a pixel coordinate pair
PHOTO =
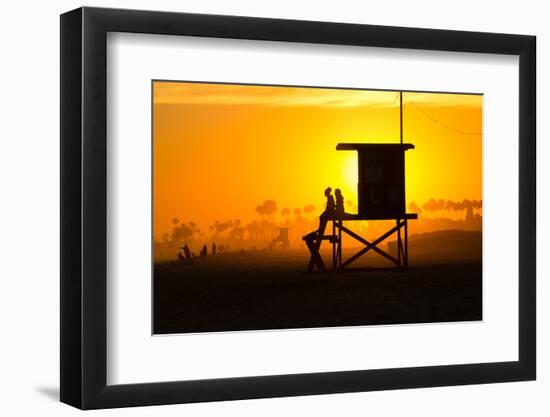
(396, 97)
(442, 124)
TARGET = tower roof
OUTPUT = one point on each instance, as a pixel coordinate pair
(373, 146)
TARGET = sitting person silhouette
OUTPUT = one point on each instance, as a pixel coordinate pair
(327, 214)
(340, 211)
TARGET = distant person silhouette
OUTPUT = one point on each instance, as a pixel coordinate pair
(204, 251)
(187, 252)
(213, 248)
(340, 211)
(327, 214)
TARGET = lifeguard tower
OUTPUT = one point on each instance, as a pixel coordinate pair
(281, 240)
(381, 196)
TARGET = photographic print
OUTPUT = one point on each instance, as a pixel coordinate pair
(312, 216)
(288, 207)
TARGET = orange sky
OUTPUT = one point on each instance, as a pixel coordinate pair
(220, 150)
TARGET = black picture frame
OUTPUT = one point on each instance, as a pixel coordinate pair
(84, 207)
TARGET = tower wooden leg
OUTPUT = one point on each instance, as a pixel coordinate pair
(334, 260)
(340, 245)
(399, 243)
(406, 245)
(315, 259)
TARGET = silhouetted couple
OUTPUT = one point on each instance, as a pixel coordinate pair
(333, 209)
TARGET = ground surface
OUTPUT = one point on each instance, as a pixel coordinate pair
(269, 290)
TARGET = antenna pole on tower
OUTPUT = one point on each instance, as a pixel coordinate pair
(401, 116)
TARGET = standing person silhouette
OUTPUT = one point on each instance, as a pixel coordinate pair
(187, 252)
(327, 214)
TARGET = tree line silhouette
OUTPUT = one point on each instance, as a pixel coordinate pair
(233, 234)
(446, 208)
